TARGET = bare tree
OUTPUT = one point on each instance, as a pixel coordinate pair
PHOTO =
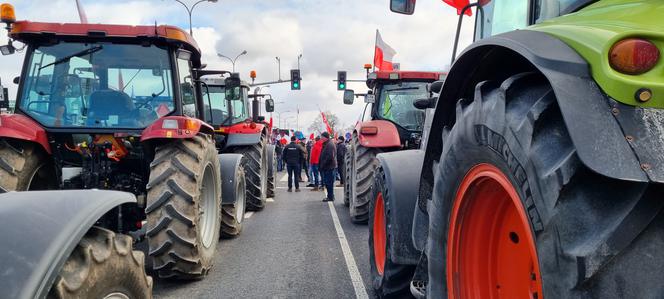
(317, 125)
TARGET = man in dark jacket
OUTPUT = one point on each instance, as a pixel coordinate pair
(327, 163)
(341, 154)
(293, 157)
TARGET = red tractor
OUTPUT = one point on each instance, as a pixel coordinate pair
(119, 107)
(240, 132)
(390, 122)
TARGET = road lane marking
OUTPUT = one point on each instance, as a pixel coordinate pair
(269, 199)
(284, 178)
(355, 277)
(248, 215)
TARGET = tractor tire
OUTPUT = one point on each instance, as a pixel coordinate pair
(389, 279)
(509, 178)
(184, 208)
(256, 172)
(103, 264)
(232, 215)
(272, 166)
(24, 166)
(347, 184)
(363, 166)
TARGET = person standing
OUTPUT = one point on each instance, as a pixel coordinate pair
(292, 156)
(279, 148)
(307, 170)
(327, 164)
(305, 154)
(313, 161)
(341, 154)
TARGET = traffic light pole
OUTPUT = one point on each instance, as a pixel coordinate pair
(268, 83)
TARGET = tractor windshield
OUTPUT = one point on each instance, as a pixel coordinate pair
(221, 111)
(97, 85)
(396, 104)
(507, 15)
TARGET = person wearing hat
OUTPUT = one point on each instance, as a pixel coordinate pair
(327, 163)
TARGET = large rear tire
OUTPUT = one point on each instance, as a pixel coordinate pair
(103, 265)
(347, 183)
(24, 166)
(363, 166)
(509, 181)
(233, 214)
(256, 172)
(272, 167)
(184, 207)
(389, 279)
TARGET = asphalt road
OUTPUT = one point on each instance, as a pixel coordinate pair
(291, 249)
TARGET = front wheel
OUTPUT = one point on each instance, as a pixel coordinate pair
(363, 165)
(389, 279)
(184, 207)
(256, 171)
(103, 265)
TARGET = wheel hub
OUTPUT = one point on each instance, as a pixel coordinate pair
(379, 234)
(491, 251)
(208, 207)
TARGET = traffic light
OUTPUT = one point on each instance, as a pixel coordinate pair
(341, 80)
(295, 79)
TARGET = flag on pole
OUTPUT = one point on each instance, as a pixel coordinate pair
(270, 122)
(81, 12)
(383, 54)
(327, 125)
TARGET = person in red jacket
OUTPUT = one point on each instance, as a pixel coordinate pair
(313, 161)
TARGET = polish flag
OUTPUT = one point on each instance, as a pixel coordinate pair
(383, 54)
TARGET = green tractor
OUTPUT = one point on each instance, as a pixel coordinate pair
(543, 172)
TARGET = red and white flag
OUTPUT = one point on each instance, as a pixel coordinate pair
(327, 125)
(81, 12)
(383, 55)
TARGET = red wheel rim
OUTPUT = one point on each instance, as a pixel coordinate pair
(379, 239)
(491, 252)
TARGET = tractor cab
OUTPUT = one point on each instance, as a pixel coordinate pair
(392, 97)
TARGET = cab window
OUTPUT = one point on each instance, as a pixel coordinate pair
(186, 84)
(502, 16)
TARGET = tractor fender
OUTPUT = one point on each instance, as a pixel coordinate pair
(387, 135)
(21, 127)
(402, 178)
(230, 164)
(187, 127)
(586, 110)
(246, 128)
(40, 229)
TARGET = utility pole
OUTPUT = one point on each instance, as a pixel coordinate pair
(190, 10)
(279, 67)
(232, 60)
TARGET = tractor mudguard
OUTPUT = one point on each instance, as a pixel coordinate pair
(587, 111)
(21, 127)
(177, 127)
(402, 178)
(386, 136)
(230, 164)
(243, 139)
(40, 229)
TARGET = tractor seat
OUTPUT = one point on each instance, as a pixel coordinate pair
(218, 115)
(110, 108)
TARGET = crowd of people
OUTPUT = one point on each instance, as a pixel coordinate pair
(321, 159)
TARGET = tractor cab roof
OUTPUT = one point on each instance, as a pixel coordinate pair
(220, 82)
(31, 32)
(373, 77)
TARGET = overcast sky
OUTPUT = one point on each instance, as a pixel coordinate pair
(331, 35)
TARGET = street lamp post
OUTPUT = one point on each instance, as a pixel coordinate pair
(232, 60)
(279, 116)
(190, 10)
(279, 67)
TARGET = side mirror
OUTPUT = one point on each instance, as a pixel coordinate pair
(349, 96)
(370, 98)
(425, 103)
(406, 7)
(269, 105)
(233, 81)
(435, 87)
(4, 98)
(7, 49)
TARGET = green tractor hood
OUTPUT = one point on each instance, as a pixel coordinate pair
(592, 32)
